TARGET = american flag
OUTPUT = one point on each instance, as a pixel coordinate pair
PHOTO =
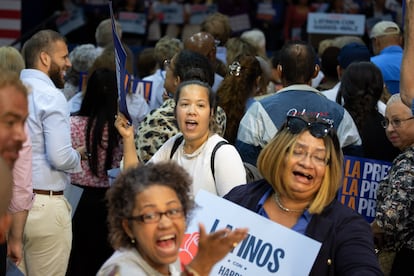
(10, 21)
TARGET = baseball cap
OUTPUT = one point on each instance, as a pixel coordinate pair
(353, 52)
(384, 28)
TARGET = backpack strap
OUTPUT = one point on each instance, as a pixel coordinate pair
(177, 142)
(213, 155)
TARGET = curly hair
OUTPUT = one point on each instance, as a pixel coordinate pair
(234, 91)
(361, 87)
(122, 195)
(218, 25)
(237, 46)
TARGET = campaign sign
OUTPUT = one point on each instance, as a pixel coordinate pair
(336, 23)
(360, 184)
(133, 22)
(172, 13)
(70, 20)
(269, 248)
(121, 73)
(143, 88)
(239, 22)
(199, 12)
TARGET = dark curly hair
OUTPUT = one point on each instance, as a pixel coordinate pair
(121, 196)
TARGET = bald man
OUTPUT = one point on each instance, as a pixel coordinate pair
(204, 44)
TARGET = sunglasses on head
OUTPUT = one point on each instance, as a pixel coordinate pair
(318, 129)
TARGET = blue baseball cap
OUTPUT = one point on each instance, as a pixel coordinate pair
(353, 52)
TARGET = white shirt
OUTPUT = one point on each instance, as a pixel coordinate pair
(49, 127)
(157, 79)
(127, 262)
(333, 92)
(228, 166)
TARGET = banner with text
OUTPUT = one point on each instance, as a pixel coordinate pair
(172, 13)
(360, 184)
(132, 22)
(199, 12)
(278, 250)
(336, 23)
(121, 73)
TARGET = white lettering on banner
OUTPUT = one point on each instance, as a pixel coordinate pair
(360, 184)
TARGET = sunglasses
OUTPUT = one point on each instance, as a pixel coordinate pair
(317, 129)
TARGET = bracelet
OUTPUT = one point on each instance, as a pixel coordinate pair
(190, 271)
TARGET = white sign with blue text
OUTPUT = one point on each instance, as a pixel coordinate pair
(269, 249)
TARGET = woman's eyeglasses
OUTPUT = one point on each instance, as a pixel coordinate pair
(396, 123)
(156, 216)
(317, 129)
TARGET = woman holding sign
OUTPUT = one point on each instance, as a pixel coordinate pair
(302, 170)
(148, 208)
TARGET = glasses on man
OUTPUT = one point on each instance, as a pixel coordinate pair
(396, 123)
(318, 129)
(156, 216)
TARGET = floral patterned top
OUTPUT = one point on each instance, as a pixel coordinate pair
(395, 203)
(160, 125)
(86, 177)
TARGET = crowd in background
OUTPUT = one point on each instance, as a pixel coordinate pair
(222, 100)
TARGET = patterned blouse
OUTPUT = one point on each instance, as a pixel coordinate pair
(395, 203)
(159, 125)
(86, 177)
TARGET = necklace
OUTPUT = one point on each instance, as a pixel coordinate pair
(283, 208)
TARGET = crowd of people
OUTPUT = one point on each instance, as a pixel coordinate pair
(218, 104)
(280, 20)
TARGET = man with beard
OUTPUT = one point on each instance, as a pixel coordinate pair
(13, 114)
(48, 231)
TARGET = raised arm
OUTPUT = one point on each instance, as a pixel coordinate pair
(407, 65)
(212, 248)
(130, 158)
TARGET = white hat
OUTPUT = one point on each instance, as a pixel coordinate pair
(384, 28)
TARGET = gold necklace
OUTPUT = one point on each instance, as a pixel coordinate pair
(283, 208)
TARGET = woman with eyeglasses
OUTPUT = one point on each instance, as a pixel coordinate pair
(148, 210)
(394, 220)
(302, 170)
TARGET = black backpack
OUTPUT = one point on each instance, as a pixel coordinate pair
(252, 173)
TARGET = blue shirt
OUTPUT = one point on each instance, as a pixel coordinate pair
(300, 225)
(49, 127)
(389, 62)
